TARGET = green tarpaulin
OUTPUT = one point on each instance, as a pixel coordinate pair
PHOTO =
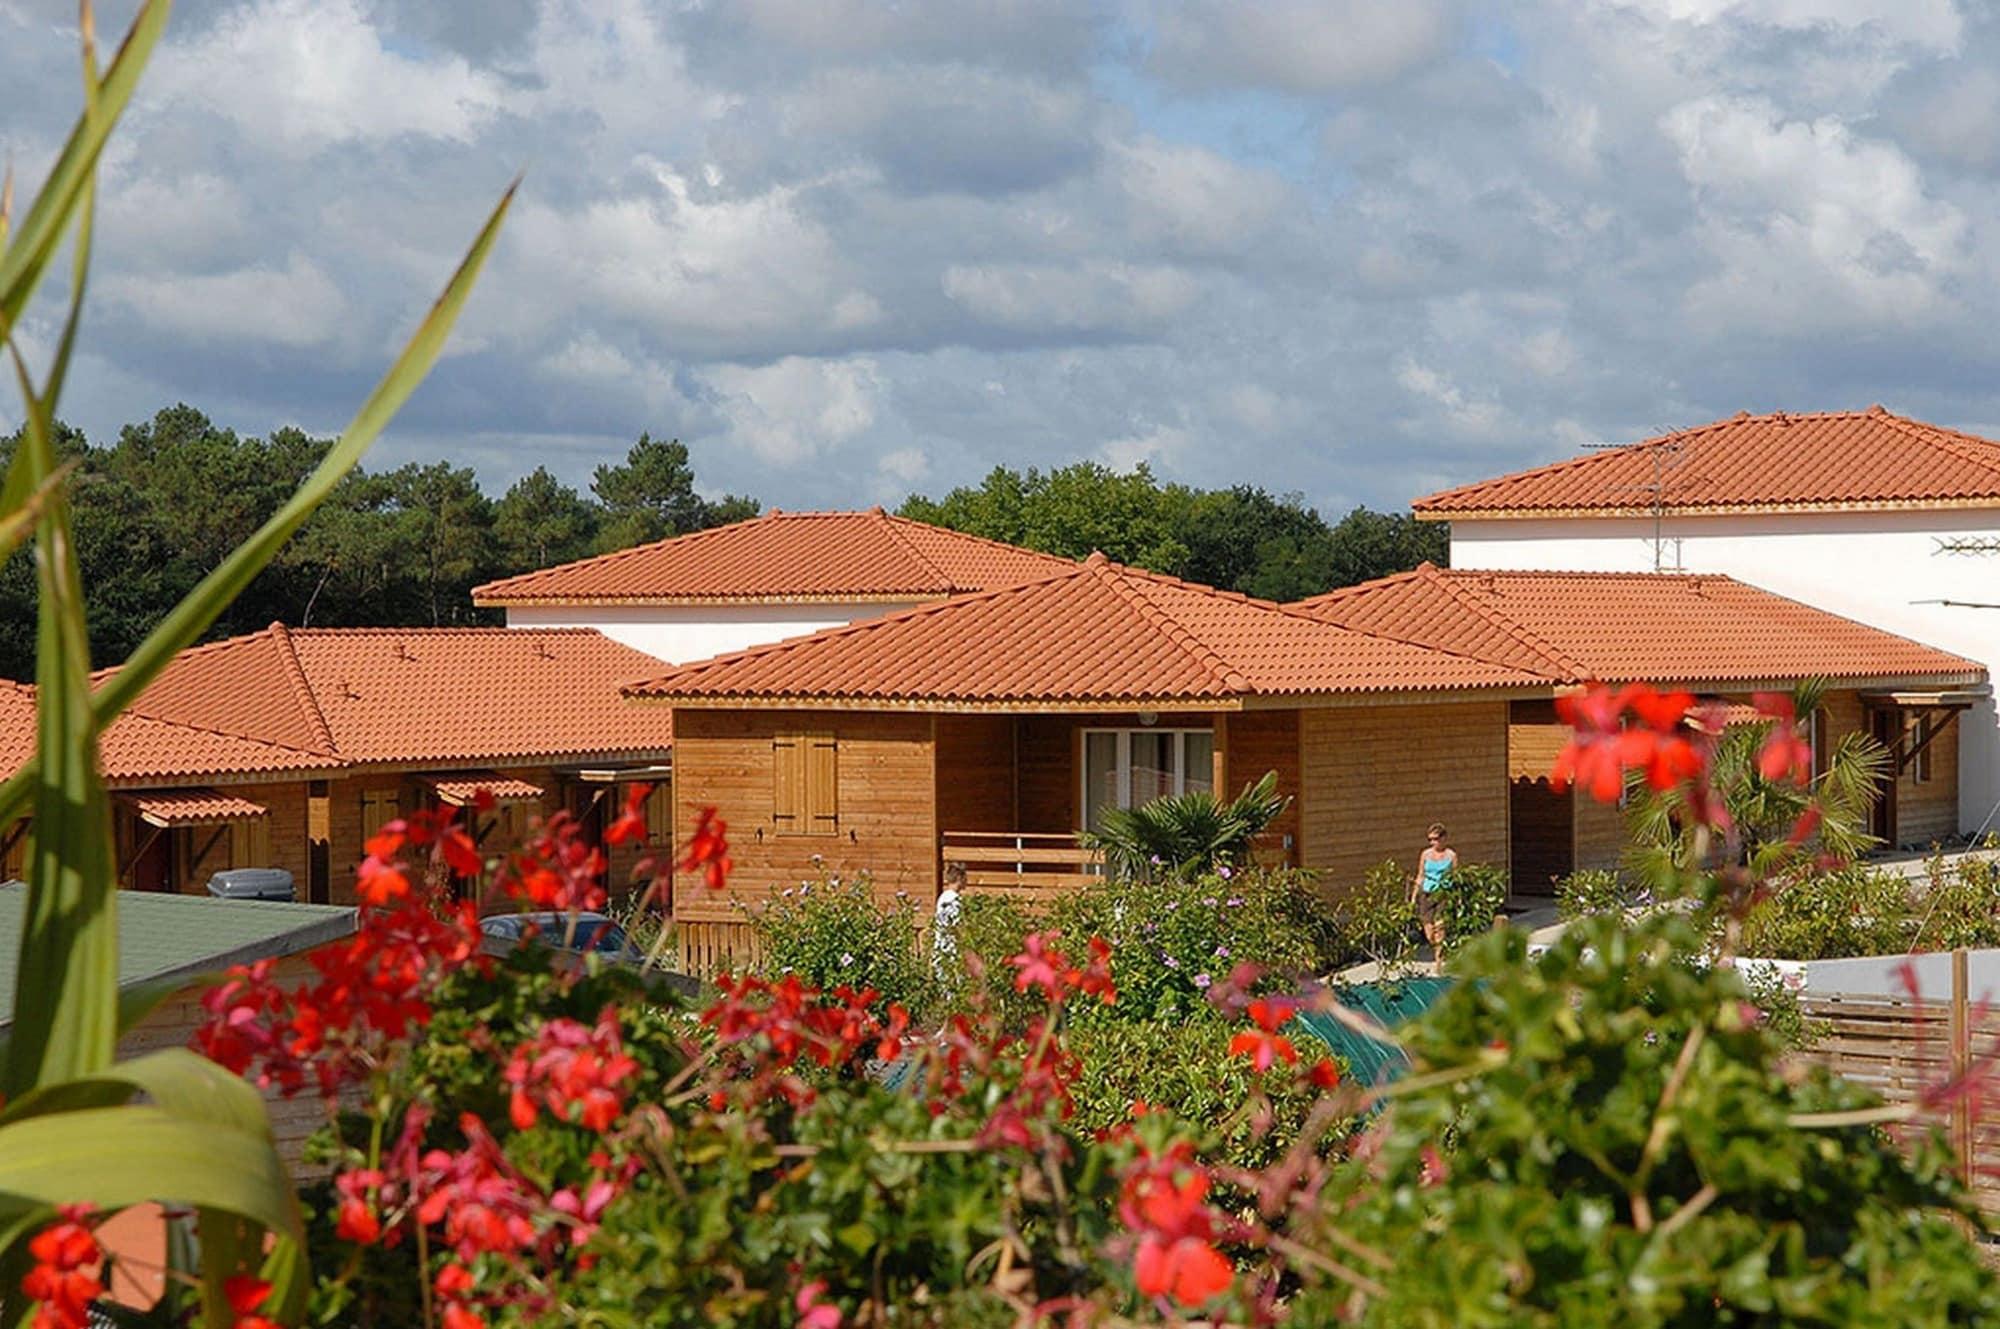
(1388, 1004)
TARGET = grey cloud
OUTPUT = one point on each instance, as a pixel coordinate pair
(845, 248)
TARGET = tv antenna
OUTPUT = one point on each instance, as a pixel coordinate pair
(1668, 456)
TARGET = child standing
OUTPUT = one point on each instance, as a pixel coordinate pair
(1434, 869)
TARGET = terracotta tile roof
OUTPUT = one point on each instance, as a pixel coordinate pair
(461, 792)
(1619, 627)
(1097, 633)
(140, 748)
(1837, 459)
(193, 807)
(784, 557)
(451, 695)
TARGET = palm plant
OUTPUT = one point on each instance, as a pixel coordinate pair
(1765, 811)
(1185, 834)
(70, 1131)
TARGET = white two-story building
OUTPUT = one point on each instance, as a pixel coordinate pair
(1884, 519)
(780, 575)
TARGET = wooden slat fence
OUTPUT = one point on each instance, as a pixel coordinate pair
(1899, 1046)
(1034, 869)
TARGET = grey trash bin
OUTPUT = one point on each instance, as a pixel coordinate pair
(251, 884)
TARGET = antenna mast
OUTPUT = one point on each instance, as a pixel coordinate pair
(1668, 455)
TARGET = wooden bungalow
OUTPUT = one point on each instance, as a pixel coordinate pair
(988, 729)
(288, 748)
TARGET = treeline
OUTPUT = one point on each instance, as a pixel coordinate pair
(1241, 539)
(160, 507)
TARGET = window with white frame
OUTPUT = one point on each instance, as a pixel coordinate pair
(1125, 768)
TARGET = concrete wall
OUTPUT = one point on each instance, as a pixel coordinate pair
(680, 633)
(1882, 568)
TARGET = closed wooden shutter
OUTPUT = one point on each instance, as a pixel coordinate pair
(250, 843)
(823, 783)
(378, 808)
(805, 784)
(788, 783)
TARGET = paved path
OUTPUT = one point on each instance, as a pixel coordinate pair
(1539, 918)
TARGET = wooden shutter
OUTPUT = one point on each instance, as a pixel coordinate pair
(823, 783)
(378, 807)
(250, 843)
(788, 783)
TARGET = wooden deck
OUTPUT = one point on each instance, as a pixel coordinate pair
(1034, 869)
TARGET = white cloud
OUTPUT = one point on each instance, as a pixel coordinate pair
(295, 76)
(1931, 23)
(793, 410)
(1160, 445)
(906, 466)
(707, 270)
(1191, 200)
(1116, 298)
(296, 306)
(1465, 416)
(1799, 214)
(1304, 46)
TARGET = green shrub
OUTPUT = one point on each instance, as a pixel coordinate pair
(1476, 895)
(1186, 1068)
(835, 933)
(1171, 940)
(1856, 910)
(1377, 918)
(1594, 891)
(1563, 1171)
(971, 964)
(1959, 906)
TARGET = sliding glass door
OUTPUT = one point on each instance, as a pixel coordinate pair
(1127, 767)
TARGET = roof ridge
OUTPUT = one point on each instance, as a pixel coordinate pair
(857, 627)
(260, 741)
(904, 543)
(302, 689)
(990, 542)
(1947, 440)
(1352, 588)
(1298, 609)
(1179, 633)
(1538, 646)
(630, 551)
(1586, 459)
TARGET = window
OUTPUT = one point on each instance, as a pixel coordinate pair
(1123, 768)
(1920, 737)
(1819, 734)
(250, 843)
(378, 808)
(805, 789)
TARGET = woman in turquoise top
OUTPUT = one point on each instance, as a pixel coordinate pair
(1433, 878)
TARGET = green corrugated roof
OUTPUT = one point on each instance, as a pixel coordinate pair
(166, 936)
(1388, 1004)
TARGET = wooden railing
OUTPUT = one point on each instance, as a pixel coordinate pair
(1031, 868)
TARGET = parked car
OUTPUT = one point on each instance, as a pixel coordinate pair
(593, 933)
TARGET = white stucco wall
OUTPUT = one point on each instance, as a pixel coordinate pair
(678, 634)
(1881, 568)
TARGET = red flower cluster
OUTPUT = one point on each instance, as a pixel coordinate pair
(577, 1072)
(246, 1295)
(1040, 966)
(382, 879)
(777, 1023)
(1605, 746)
(559, 869)
(1264, 1045)
(370, 990)
(1163, 1200)
(64, 1278)
(1785, 754)
(707, 850)
(631, 827)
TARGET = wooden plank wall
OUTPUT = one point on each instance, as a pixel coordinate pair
(172, 1025)
(1376, 776)
(1897, 1047)
(975, 772)
(887, 814)
(1260, 741)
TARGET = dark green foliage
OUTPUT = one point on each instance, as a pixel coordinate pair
(1595, 891)
(833, 933)
(1475, 897)
(1186, 1068)
(1241, 539)
(1172, 939)
(1855, 910)
(971, 968)
(1517, 1187)
(161, 507)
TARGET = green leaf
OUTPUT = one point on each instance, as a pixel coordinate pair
(35, 240)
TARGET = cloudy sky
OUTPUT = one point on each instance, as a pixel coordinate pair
(846, 248)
